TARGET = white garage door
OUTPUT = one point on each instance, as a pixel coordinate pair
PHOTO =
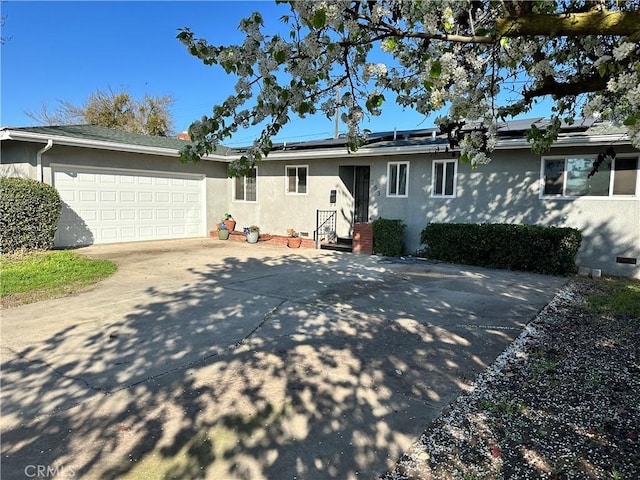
(109, 205)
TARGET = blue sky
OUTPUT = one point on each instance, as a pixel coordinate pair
(67, 50)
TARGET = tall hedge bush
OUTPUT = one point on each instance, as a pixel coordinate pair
(549, 250)
(388, 237)
(29, 212)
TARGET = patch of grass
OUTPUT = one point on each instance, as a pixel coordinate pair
(615, 475)
(622, 297)
(543, 367)
(42, 275)
(503, 407)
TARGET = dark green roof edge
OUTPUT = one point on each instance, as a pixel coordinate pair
(104, 134)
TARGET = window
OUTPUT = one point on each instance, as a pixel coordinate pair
(297, 179)
(397, 179)
(625, 176)
(245, 187)
(444, 178)
(569, 177)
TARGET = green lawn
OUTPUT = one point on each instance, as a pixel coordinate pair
(41, 275)
(622, 298)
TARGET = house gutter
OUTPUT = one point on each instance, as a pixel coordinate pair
(503, 144)
(44, 149)
(97, 144)
(572, 141)
(365, 151)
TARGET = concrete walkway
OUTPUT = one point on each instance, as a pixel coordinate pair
(210, 359)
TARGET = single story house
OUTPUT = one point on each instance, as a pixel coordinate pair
(121, 187)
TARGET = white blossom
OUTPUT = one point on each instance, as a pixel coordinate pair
(623, 50)
(337, 45)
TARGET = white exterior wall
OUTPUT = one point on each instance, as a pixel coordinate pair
(18, 159)
(507, 191)
(275, 210)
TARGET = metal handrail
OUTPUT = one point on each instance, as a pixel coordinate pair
(330, 220)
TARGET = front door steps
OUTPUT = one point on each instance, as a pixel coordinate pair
(343, 244)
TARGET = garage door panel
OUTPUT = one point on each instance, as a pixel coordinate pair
(87, 196)
(128, 233)
(108, 215)
(67, 195)
(108, 179)
(86, 178)
(65, 178)
(128, 197)
(107, 206)
(146, 232)
(127, 215)
(145, 214)
(108, 196)
(89, 215)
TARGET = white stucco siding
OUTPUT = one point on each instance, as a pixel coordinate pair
(275, 210)
(507, 190)
(20, 170)
(18, 159)
(610, 230)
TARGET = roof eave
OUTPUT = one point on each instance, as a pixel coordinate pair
(502, 144)
(97, 144)
(364, 152)
(361, 152)
(569, 141)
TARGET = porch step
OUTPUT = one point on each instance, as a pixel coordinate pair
(343, 244)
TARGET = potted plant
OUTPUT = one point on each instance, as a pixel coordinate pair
(223, 231)
(293, 240)
(253, 234)
(229, 222)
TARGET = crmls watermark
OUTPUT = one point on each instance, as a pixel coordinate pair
(48, 471)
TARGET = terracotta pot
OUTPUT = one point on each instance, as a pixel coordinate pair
(231, 225)
(294, 242)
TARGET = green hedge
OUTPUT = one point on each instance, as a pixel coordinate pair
(29, 212)
(388, 237)
(531, 248)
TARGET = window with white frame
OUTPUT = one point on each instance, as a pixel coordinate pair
(569, 177)
(296, 178)
(246, 187)
(444, 178)
(397, 179)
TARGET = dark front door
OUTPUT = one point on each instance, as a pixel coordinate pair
(361, 194)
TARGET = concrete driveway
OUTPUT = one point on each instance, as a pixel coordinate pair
(210, 359)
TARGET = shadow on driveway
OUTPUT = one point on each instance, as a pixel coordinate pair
(202, 361)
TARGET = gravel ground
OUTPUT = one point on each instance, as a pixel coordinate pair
(562, 402)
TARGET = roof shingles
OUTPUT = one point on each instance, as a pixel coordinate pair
(104, 134)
